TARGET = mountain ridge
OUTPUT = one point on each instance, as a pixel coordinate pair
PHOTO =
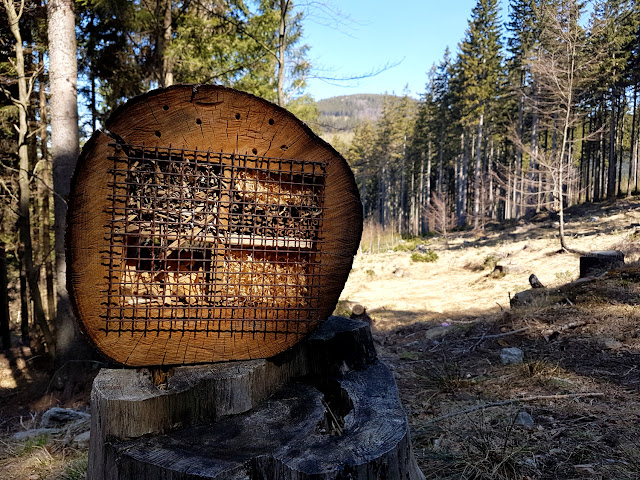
(343, 113)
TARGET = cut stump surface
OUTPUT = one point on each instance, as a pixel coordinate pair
(335, 413)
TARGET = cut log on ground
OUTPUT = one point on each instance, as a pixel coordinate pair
(597, 263)
(335, 413)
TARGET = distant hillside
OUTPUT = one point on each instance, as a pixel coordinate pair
(343, 114)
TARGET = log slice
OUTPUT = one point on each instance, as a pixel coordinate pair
(148, 296)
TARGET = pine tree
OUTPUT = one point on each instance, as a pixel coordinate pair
(524, 33)
(480, 64)
(612, 29)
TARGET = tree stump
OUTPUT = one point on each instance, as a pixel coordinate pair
(598, 262)
(325, 409)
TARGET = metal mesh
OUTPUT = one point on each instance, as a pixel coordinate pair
(232, 242)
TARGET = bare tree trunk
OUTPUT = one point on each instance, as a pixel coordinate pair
(596, 165)
(413, 229)
(611, 174)
(632, 144)
(563, 149)
(620, 140)
(507, 197)
(24, 302)
(427, 227)
(164, 40)
(381, 197)
(588, 183)
(461, 178)
(94, 109)
(5, 330)
(402, 189)
(492, 207)
(63, 77)
(282, 47)
(440, 161)
(581, 175)
(24, 219)
(476, 176)
(45, 205)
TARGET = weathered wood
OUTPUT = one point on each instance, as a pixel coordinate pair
(341, 417)
(285, 438)
(596, 263)
(150, 315)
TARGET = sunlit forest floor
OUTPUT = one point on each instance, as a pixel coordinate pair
(441, 327)
(571, 409)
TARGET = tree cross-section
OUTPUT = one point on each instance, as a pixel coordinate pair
(207, 225)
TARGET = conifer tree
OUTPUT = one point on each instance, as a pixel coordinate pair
(612, 30)
(480, 64)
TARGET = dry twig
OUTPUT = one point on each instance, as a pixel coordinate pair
(509, 402)
(504, 334)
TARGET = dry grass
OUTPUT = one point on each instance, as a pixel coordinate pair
(441, 327)
(41, 458)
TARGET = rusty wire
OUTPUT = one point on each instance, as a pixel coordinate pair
(231, 241)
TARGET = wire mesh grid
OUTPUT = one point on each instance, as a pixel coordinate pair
(213, 242)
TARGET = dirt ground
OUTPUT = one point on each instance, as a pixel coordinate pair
(571, 409)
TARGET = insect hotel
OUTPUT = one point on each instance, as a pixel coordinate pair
(207, 225)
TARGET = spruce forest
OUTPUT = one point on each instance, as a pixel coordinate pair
(537, 113)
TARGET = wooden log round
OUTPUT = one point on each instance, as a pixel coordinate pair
(205, 225)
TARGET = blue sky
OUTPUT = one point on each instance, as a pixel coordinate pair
(412, 32)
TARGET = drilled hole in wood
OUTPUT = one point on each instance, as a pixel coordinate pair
(271, 122)
(165, 108)
(237, 116)
(198, 121)
(158, 134)
(255, 151)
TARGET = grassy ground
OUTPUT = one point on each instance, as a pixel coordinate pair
(440, 325)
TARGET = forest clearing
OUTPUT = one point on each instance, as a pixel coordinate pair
(441, 327)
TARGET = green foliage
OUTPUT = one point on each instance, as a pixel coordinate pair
(34, 443)
(233, 43)
(480, 62)
(403, 247)
(447, 377)
(305, 108)
(76, 469)
(342, 309)
(347, 112)
(408, 355)
(565, 276)
(410, 244)
(428, 256)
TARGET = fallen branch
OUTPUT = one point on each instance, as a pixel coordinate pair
(550, 331)
(511, 401)
(566, 326)
(504, 334)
